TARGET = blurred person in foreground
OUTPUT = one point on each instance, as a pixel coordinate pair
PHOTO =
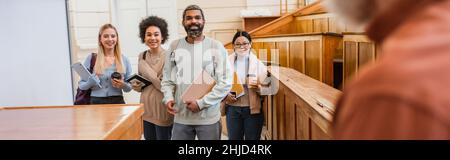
(405, 94)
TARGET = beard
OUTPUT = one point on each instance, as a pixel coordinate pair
(194, 30)
(355, 12)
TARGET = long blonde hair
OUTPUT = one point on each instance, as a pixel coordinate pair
(99, 64)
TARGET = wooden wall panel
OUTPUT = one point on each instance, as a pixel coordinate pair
(312, 54)
(350, 59)
(290, 120)
(297, 56)
(351, 28)
(366, 53)
(268, 116)
(265, 109)
(276, 104)
(281, 130)
(333, 25)
(283, 51)
(331, 50)
(320, 25)
(312, 57)
(251, 23)
(317, 133)
(267, 48)
(305, 26)
(256, 48)
(359, 51)
(302, 122)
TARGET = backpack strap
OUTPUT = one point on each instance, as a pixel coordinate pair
(93, 59)
(144, 55)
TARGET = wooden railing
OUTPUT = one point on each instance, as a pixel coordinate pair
(301, 110)
(285, 22)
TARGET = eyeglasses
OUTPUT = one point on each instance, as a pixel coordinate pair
(241, 45)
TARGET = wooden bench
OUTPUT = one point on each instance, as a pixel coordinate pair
(302, 109)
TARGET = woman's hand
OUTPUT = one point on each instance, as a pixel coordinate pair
(117, 83)
(171, 108)
(136, 85)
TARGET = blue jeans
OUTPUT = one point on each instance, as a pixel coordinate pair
(243, 125)
(203, 132)
(155, 132)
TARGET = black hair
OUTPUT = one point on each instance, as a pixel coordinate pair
(153, 21)
(193, 7)
(242, 33)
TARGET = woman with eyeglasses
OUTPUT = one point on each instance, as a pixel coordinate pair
(243, 111)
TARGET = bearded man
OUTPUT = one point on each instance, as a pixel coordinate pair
(190, 57)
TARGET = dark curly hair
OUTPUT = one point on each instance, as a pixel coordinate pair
(154, 21)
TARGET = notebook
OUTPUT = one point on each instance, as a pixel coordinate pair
(201, 86)
(81, 70)
(138, 78)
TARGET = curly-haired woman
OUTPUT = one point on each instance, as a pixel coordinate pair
(157, 121)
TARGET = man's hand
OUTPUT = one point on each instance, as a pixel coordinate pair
(170, 107)
(231, 98)
(192, 106)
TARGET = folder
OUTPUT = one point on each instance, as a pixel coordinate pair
(83, 72)
(138, 78)
(201, 86)
(237, 88)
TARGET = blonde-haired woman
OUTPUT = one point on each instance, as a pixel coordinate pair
(107, 61)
